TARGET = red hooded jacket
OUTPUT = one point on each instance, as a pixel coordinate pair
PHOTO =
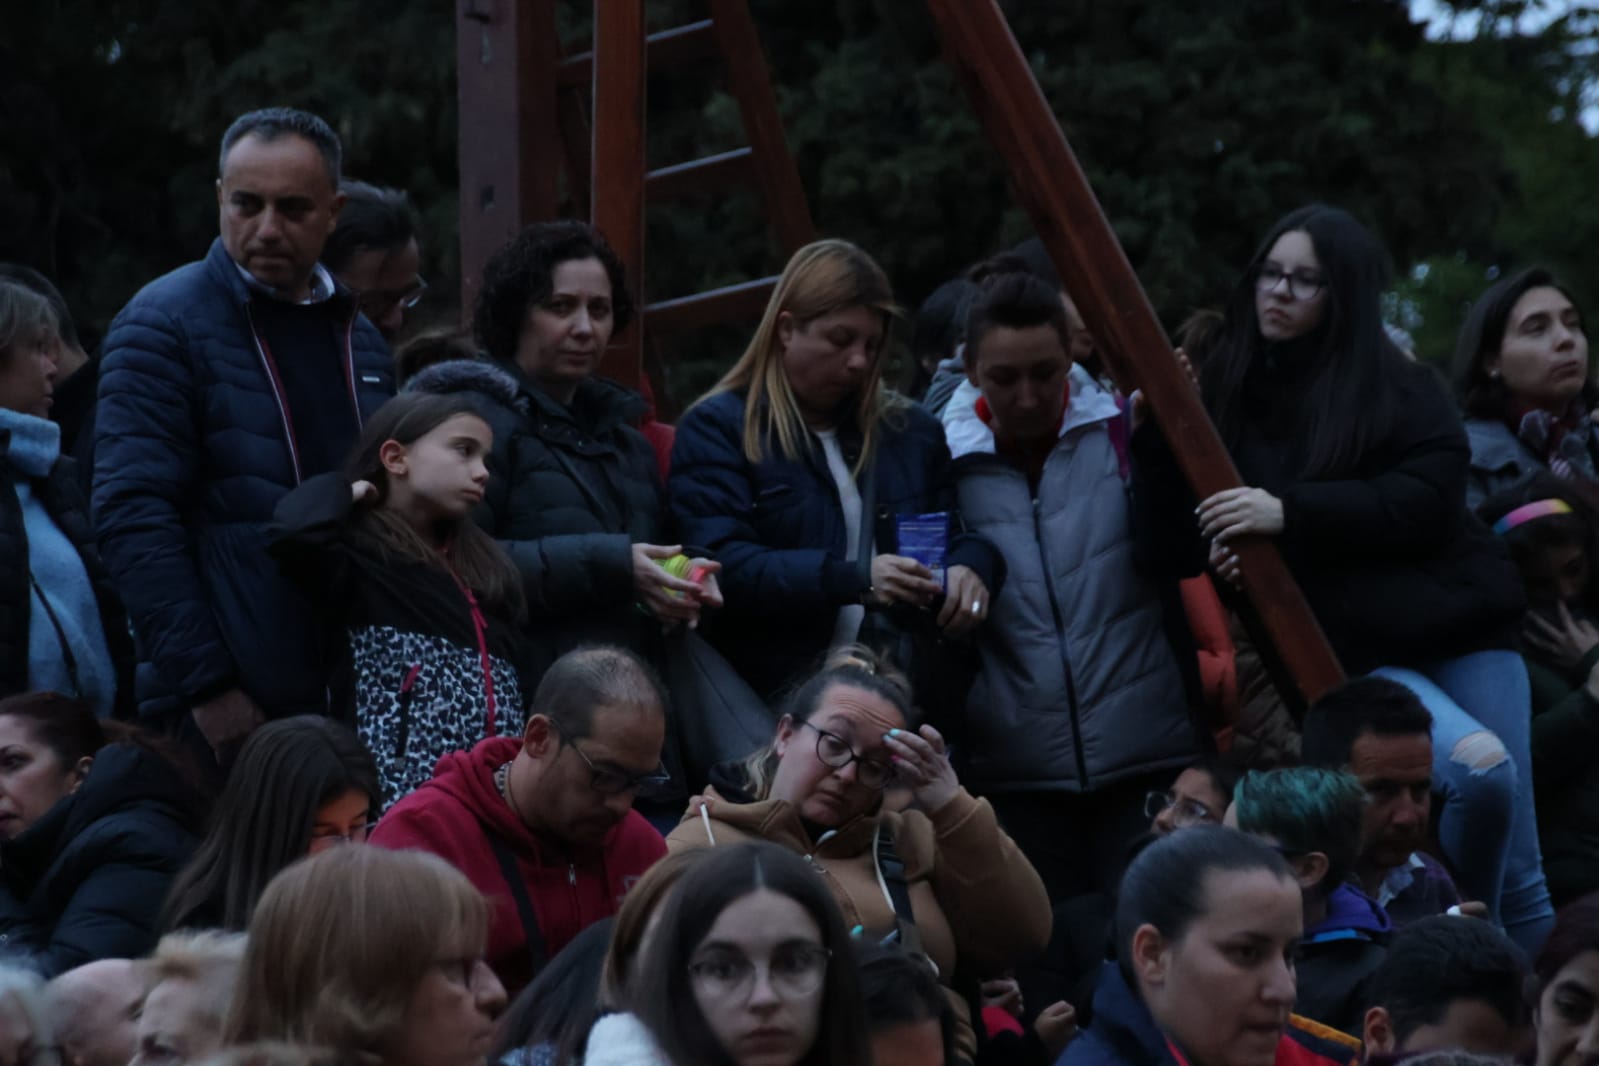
(452, 815)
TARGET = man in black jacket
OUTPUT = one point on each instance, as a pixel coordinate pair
(223, 385)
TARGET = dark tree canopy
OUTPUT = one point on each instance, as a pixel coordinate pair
(1199, 121)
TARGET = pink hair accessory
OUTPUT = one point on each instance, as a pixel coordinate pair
(1529, 511)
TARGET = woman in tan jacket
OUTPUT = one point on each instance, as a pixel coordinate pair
(940, 877)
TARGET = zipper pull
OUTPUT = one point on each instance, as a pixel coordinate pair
(571, 873)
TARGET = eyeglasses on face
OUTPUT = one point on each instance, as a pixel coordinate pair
(1302, 284)
(608, 780)
(1185, 811)
(375, 303)
(795, 969)
(322, 839)
(835, 751)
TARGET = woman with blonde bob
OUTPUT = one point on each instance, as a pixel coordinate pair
(375, 954)
(796, 469)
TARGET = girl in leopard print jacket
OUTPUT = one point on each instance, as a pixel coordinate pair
(420, 606)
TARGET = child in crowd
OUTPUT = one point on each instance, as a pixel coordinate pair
(426, 601)
(1550, 528)
(1312, 818)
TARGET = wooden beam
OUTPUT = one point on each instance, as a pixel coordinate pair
(506, 52)
(713, 174)
(751, 85)
(731, 303)
(667, 49)
(618, 175)
(1053, 189)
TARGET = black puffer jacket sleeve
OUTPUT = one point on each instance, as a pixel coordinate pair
(147, 457)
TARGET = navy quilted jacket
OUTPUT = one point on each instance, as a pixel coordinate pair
(193, 449)
(778, 530)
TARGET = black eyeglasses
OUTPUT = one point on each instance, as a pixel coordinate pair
(835, 751)
(1302, 285)
(608, 781)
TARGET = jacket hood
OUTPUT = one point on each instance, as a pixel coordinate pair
(779, 821)
(468, 777)
(1350, 910)
(728, 779)
(969, 435)
(466, 375)
(123, 776)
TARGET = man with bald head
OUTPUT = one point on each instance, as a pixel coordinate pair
(94, 1012)
(543, 823)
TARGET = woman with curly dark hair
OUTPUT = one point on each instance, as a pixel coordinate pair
(574, 493)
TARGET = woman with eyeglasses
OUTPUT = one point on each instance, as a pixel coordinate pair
(95, 822)
(1200, 795)
(376, 955)
(941, 878)
(750, 966)
(1355, 464)
(301, 786)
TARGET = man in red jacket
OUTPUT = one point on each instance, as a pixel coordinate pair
(543, 824)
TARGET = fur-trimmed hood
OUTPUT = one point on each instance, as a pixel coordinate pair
(467, 375)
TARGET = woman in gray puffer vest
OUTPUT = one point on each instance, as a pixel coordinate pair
(1079, 707)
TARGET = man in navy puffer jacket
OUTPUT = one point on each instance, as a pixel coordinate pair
(223, 385)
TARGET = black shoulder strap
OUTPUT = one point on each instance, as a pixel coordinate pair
(67, 658)
(524, 905)
(892, 868)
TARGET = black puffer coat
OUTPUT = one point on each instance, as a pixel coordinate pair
(571, 490)
(62, 497)
(87, 880)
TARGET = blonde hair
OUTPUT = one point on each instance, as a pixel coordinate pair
(277, 1053)
(209, 960)
(821, 278)
(855, 666)
(340, 942)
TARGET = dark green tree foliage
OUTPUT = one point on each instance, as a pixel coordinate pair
(1198, 122)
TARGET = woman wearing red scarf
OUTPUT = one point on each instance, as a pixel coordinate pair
(1522, 368)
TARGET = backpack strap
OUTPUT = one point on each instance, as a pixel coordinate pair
(891, 878)
(537, 955)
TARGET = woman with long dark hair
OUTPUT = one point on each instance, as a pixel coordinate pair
(427, 602)
(1355, 464)
(1521, 365)
(1566, 1012)
(301, 785)
(751, 964)
(95, 822)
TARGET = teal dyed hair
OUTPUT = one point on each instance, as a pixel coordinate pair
(1305, 809)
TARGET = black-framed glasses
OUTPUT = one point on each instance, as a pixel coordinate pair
(1302, 284)
(1184, 811)
(795, 969)
(835, 751)
(609, 781)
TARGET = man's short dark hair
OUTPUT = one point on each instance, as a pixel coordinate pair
(1365, 705)
(372, 217)
(900, 989)
(1441, 960)
(594, 676)
(270, 123)
(1014, 301)
(30, 278)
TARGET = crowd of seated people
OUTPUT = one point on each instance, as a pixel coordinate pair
(491, 720)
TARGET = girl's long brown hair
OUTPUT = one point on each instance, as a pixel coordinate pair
(470, 553)
(821, 278)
